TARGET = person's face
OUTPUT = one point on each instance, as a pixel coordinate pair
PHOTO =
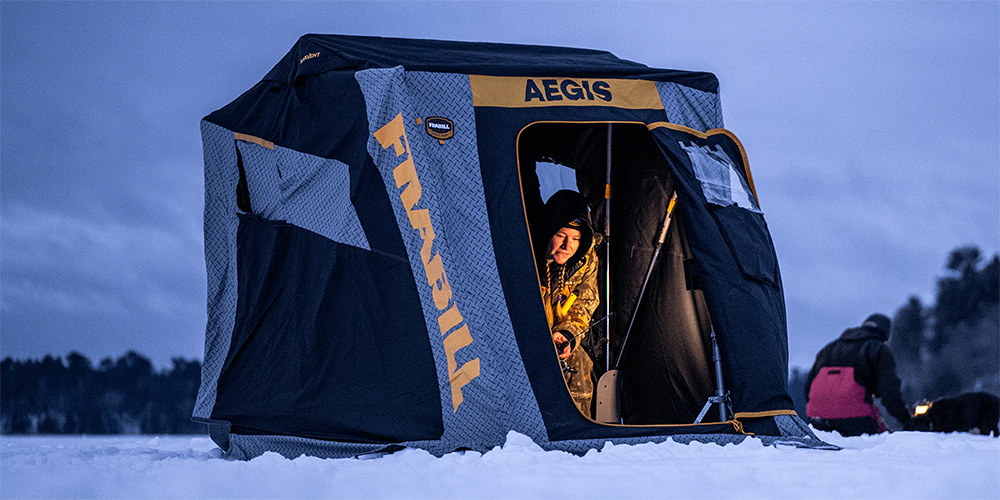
(564, 244)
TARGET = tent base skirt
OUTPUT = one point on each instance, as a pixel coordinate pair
(794, 432)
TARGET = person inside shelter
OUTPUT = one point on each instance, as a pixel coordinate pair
(568, 276)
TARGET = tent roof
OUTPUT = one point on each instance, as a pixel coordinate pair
(314, 54)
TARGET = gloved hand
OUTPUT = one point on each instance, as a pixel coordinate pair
(562, 343)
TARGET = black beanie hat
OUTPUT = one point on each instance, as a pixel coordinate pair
(567, 208)
(880, 323)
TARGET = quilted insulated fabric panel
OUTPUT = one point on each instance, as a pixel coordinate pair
(690, 107)
(221, 223)
(437, 194)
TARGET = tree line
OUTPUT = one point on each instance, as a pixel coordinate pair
(941, 349)
(951, 346)
(121, 396)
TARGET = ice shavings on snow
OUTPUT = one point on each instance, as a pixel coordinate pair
(899, 465)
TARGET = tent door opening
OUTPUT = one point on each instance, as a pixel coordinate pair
(666, 372)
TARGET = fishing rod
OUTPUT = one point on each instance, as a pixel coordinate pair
(562, 345)
(649, 272)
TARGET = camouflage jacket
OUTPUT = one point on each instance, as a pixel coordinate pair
(571, 295)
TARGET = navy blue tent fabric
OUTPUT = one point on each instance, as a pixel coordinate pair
(314, 305)
(258, 392)
(372, 281)
(738, 271)
(317, 54)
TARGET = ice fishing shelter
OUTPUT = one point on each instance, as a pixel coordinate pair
(371, 227)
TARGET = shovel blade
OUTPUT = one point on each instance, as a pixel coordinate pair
(608, 401)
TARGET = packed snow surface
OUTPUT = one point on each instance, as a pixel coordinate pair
(904, 465)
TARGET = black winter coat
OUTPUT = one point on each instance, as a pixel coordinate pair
(874, 367)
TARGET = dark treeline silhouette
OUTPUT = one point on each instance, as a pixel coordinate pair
(122, 396)
(942, 349)
(949, 347)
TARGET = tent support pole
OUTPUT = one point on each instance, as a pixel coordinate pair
(720, 392)
(607, 256)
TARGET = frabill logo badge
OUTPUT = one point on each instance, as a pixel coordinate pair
(440, 128)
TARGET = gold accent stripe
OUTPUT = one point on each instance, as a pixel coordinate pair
(256, 140)
(767, 413)
(522, 92)
(705, 135)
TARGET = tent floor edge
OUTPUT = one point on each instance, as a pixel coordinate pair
(218, 430)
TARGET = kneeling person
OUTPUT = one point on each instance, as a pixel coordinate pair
(569, 289)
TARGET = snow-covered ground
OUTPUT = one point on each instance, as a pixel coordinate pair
(903, 465)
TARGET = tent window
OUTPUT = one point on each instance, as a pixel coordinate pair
(552, 177)
(721, 183)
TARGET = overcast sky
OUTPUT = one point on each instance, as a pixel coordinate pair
(872, 130)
